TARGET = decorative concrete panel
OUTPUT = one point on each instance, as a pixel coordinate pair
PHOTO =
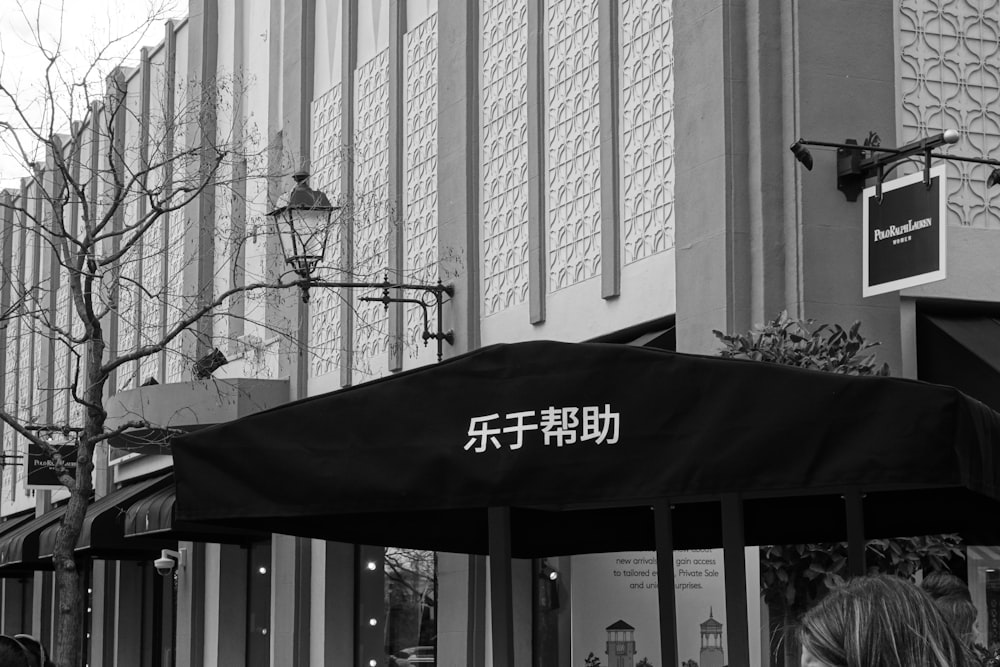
(371, 214)
(504, 153)
(324, 304)
(647, 127)
(573, 128)
(949, 78)
(174, 292)
(152, 309)
(420, 196)
(61, 360)
(128, 312)
(9, 448)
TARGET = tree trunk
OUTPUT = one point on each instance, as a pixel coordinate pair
(68, 649)
(69, 597)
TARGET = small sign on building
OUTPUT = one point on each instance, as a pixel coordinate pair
(904, 233)
(40, 470)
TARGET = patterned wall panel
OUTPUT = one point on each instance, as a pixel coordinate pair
(61, 360)
(949, 78)
(504, 153)
(152, 308)
(420, 196)
(128, 316)
(647, 127)
(573, 157)
(11, 339)
(29, 357)
(174, 243)
(324, 304)
(371, 214)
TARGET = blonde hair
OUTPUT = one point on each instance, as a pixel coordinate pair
(880, 621)
(952, 597)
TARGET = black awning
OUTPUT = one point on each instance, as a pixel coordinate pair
(19, 547)
(102, 532)
(581, 440)
(963, 352)
(154, 517)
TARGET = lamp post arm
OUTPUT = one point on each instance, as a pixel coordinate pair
(439, 291)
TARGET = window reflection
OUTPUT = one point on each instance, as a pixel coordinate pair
(410, 607)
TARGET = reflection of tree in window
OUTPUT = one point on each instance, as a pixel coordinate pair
(411, 603)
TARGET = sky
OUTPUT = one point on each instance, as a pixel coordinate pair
(84, 26)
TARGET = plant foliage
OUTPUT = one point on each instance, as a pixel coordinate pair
(794, 576)
(792, 342)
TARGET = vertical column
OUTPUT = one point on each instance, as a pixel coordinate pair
(13, 606)
(128, 613)
(6, 296)
(825, 72)
(397, 179)
(168, 93)
(144, 263)
(232, 574)
(102, 602)
(663, 522)
(291, 574)
(114, 117)
(501, 583)
(50, 273)
(199, 242)
(710, 162)
(238, 188)
(335, 574)
(734, 559)
(537, 194)
(461, 581)
(348, 63)
(191, 607)
(609, 87)
(297, 61)
(458, 166)
(370, 638)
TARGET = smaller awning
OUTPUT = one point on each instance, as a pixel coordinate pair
(19, 547)
(962, 352)
(102, 534)
(154, 517)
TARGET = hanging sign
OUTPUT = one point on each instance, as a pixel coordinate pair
(904, 233)
(40, 470)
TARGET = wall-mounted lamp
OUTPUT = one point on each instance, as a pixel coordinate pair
(856, 163)
(303, 219)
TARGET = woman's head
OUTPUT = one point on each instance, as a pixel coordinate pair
(952, 597)
(878, 621)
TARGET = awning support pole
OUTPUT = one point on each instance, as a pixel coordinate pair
(663, 523)
(501, 583)
(734, 559)
(854, 507)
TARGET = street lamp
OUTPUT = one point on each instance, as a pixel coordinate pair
(303, 219)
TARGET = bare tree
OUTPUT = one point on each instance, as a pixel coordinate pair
(108, 218)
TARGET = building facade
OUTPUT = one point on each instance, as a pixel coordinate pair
(577, 170)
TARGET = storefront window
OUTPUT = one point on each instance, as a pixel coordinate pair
(410, 607)
(602, 610)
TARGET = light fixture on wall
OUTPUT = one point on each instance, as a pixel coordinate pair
(303, 220)
(856, 163)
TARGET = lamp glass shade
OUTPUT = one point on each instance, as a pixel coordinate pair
(303, 226)
(303, 233)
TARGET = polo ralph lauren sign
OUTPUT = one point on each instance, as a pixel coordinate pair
(904, 233)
